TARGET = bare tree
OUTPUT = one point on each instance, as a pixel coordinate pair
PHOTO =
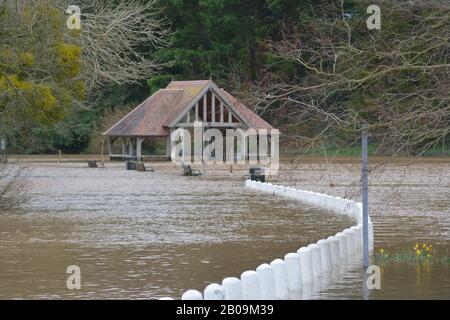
(49, 71)
(396, 79)
(116, 39)
(13, 183)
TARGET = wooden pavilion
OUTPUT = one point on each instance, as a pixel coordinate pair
(180, 105)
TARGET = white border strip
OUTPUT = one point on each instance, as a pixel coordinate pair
(299, 269)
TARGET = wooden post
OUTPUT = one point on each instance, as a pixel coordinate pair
(182, 146)
(196, 111)
(213, 108)
(3, 154)
(139, 141)
(59, 157)
(204, 167)
(103, 160)
(221, 111)
(130, 147)
(109, 145)
(124, 151)
(169, 145)
(205, 115)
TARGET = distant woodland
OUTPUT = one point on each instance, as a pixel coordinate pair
(311, 68)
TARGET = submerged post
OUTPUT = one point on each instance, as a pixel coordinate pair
(365, 196)
(103, 160)
(3, 156)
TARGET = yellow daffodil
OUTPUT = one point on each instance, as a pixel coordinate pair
(381, 251)
(424, 246)
(418, 252)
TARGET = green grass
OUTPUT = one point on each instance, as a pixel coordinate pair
(341, 152)
(372, 149)
(437, 152)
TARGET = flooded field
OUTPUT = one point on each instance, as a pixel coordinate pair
(145, 235)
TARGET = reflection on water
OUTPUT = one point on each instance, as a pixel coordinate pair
(152, 234)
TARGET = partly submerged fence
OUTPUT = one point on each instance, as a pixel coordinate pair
(298, 269)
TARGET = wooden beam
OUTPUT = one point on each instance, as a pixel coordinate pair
(196, 111)
(221, 111)
(103, 159)
(169, 144)
(139, 141)
(190, 105)
(109, 145)
(205, 118)
(131, 147)
(230, 119)
(212, 125)
(213, 108)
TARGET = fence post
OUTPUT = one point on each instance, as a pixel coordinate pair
(293, 271)
(281, 279)
(316, 260)
(306, 264)
(365, 195)
(325, 251)
(3, 155)
(250, 285)
(103, 159)
(233, 288)
(266, 281)
(214, 291)
(192, 295)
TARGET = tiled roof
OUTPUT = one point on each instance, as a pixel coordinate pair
(153, 116)
(252, 119)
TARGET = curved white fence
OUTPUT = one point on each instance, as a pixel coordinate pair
(299, 269)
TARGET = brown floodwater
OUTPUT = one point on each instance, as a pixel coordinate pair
(145, 235)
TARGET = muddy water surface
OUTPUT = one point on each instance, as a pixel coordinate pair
(153, 234)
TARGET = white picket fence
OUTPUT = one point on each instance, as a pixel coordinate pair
(298, 269)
